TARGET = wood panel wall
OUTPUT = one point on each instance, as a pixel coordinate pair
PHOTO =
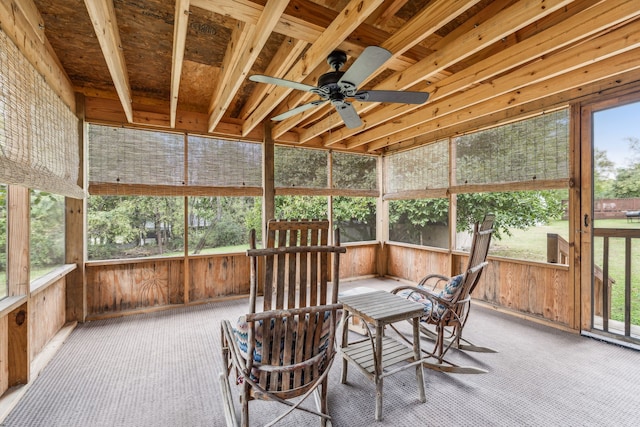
(47, 311)
(218, 276)
(114, 288)
(413, 262)
(359, 261)
(538, 289)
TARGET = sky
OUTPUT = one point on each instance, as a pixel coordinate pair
(612, 127)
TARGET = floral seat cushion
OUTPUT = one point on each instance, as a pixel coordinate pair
(241, 335)
(446, 293)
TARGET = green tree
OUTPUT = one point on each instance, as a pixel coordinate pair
(627, 183)
(604, 173)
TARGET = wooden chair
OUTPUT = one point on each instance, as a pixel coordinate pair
(292, 338)
(447, 303)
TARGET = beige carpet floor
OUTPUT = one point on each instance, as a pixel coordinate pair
(161, 369)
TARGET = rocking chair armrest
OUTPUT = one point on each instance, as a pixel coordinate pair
(290, 368)
(419, 290)
(439, 278)
(279, 314)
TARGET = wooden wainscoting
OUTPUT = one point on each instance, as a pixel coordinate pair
(126, 285)
(359, 261)
(537, 289)
(412, 262)
(218, 276)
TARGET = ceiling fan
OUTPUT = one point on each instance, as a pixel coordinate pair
(336, 86)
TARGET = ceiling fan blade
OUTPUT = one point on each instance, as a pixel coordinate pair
(369, 61)
(281, 82)
(403, 97)
(349, 114)
(299, 109)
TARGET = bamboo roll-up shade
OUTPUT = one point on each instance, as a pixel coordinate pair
(354, 171)
(532, 149)
(300, 167)
(122, 156)
(39, 135)
(422, 168)
(221, 163)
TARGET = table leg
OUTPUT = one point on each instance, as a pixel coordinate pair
(378, 371)
(345, 332)
(417, 356)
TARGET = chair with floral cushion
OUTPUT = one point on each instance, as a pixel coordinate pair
(447, 301)
(285, 350)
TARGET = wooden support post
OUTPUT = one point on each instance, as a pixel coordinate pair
(268, 183)
(18, 348)
(76, 291)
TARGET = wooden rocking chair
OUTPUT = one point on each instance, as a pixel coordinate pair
(285, 351)
(447, 303)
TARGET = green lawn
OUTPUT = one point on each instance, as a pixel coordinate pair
(531, 245)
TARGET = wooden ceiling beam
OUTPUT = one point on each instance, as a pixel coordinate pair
(307, 24)
(104, 22)
(354, 13)
(180, 27)
(592, 67)
(421, 26)
(282, 61)
(234, 77)
(625, 82)
(569, 31)
(455, 47)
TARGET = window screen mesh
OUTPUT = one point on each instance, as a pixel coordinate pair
(217, 162)
(133, 156)
(354, 171)
(300, 167)
(426, 167)
(535, 148)
(39, 135)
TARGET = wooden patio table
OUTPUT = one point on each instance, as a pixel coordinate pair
(375, 355)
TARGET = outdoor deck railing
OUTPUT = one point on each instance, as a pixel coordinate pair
(628, 235)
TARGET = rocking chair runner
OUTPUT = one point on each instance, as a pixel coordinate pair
(447, 311)
(286, 350)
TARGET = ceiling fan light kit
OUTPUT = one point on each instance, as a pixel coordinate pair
(336, 86)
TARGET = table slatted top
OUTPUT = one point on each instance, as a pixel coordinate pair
(381, 307)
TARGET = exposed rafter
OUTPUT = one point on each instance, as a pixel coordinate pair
(247, 52)
(103, 18)
(179, 38)
(354, 13)
(473, 37)
(425, 23)
(606, 56)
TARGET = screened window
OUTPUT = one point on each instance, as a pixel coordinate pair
(3, 240)
(354, 171)
(300, 167)
(134, 156)
(135, 226)
(302, 207)
(222, 163)
(222, 224)
(46, 241)
(532, 149)
(423, 168)
(356, 218)
(422, 222)
(529, 225)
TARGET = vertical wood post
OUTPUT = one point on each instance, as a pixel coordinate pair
(382, 222)
(18, 270)
(75, 226)
(268, 184)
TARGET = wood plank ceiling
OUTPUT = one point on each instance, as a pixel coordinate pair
(185, 64)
